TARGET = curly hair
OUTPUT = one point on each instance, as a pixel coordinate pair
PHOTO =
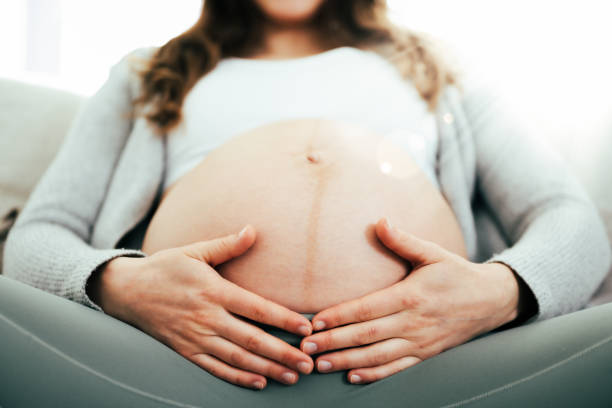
(234, 27)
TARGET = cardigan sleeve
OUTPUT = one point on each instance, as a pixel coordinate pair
(49, 245)
(558, 242)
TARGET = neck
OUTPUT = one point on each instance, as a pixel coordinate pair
(281, 42)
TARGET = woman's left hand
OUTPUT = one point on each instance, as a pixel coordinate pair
(445, 301)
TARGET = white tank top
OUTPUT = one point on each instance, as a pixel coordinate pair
(344, 83)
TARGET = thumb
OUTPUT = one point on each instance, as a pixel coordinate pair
(410, 247)
(219, 250)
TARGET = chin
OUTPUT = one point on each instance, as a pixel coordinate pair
(289, 11)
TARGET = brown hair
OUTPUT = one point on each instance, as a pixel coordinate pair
(234, 27)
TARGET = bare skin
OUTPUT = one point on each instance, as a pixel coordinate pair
(197, 311)
(287, 33)
(210, 334)
(444, 302)
(311, 188)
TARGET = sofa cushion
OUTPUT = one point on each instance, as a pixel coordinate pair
(33, 122)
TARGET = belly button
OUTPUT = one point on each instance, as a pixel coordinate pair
(313, 157)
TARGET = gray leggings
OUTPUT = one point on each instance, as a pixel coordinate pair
(57, 353)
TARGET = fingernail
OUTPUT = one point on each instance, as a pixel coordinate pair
(303, 367)
(323, 365)
(319, 325)
(355, 379)
(258, 384)
(309, 347)
(241, 233)
(387, 223)
(304, 330)
(288, 377)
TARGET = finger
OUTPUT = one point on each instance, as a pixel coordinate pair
(229, 373)
(219, 250)
(377, 304)
(410, 247)
(248, 304)
(368, 375)
(352, 335)
(369, 356)
(240, 358)
(259, 342)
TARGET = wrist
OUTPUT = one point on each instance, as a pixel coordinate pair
(109, 281)
(521, 300)
(507, 283)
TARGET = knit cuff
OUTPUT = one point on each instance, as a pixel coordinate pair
(76, 283)
(524, 266)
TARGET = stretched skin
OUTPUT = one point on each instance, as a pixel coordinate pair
(313, 189)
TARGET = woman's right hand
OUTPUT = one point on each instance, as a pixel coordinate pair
(176, 296)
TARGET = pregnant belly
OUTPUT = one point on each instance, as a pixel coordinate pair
(313, 189)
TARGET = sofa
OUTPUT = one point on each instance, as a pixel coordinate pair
(34, 120)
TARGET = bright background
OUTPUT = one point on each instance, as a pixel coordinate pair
(550, 59)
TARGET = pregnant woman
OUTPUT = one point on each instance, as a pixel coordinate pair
(387, 216)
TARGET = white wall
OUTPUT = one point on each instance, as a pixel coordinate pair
(85, 36)
(550, 58)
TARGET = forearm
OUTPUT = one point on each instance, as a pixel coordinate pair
(49, 246)
(54, 259)
(557, 240)
(563, 255)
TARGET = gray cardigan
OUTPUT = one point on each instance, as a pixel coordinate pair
(515, 199)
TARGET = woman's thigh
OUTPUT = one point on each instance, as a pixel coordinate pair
(55, 352)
